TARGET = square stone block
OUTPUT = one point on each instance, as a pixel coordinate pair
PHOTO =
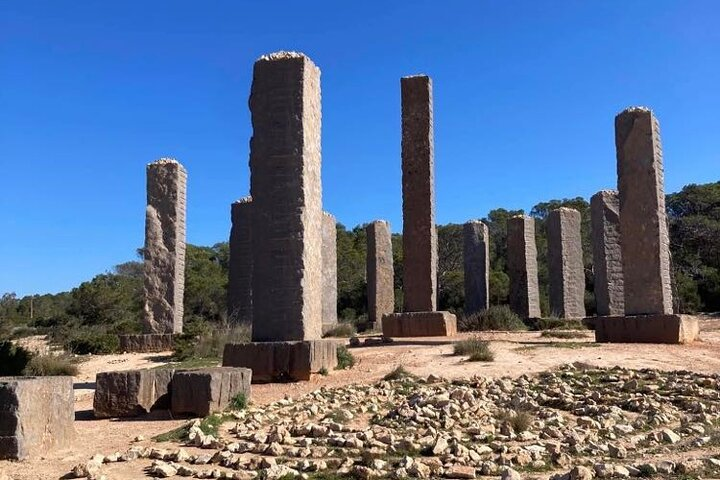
(657, 328)
(419, 324)
(147, 342)
(207, 390)
(131, 393)
(36, 415)
(278, 361)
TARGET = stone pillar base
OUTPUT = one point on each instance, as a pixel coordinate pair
(147, 342)
(657, 328)
(282, 361)
(419, 324)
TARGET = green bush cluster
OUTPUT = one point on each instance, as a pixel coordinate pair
(494, 318)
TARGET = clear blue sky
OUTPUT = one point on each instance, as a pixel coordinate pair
(525, 96)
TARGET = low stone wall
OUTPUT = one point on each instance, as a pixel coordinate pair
(646, 329)
(147, 342)
(419, 324)
(131, 393)
(36, 414)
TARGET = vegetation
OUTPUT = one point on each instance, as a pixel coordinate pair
(13, 359)
(519, 421)
(51, 365)
(342, 330)
(239, 402)
(345, 358)
(494, 318)
(477, 350)
(399, 373)
(564, 334)
(208, 425)
(202, 340)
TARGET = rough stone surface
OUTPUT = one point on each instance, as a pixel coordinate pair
(643, 223)
(36, 415)
(565, 263)
(164, 263)
(287, 198)
(207, 390)
(476, 261)
(147, 342)
(522, 267)
(607, 253)
(239, 301)
(418, 184)
(131, 393)
(272, 361)
(419, 324)
(380, 272)
(329, 270)
(659, 328)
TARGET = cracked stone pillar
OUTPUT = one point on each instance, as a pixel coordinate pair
(476, 261)
(380, 272)
(522, 267)
(286, 190)
(164, 253)
(240, 270)
(565, 263)
(643, 223)
(607, 255)
(329, 259)
(418, 186)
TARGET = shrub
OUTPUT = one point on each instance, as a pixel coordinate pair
(94, 343)
(498, 317)
(399, 373)
(13, 359)
(51, 365)
(201, 340)
(342, 330)
(519, 421)
(345, 358)
(477, 350)
(565, 334)
(239, 402)
(555, 323)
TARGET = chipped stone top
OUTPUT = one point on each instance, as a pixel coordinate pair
(524, 217)
(165, 161)
(475, 221)
(247, 199)
(636, 109)
(417, 75)
(282, 55)
(566, 210)
(328, 214)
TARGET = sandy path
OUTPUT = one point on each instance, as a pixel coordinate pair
(515, 354)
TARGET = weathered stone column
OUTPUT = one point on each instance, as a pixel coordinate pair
(164, 247)
(565, 263)
(287, 203)
(380, 272)
(239, 300)
(329, 259)
(522, 267)
(476, 260)
(607, 255)
(418, 182)
(643, 223)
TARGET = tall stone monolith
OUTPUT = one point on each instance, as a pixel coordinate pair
(287, 224)
(522, 267)
(239, 301)
(380, 272)
(476, 261)
(164, 252)
(329, 265)
(565, 263)
(607, 255)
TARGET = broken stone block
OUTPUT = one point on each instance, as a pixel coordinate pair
(647, 329)
(419, 324)
(207, 390)
(36, 415)
(272, 361)
(130, 393)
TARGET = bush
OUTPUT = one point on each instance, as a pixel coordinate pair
(342, 330)
(399, 373)
(555, 323)
(51, 365)
(239, 402)
(565, 334)
(93, 343)
(519, 421)
(478, 350)
(202, 340)
(498, 317)
(345, 358)
(13, 359)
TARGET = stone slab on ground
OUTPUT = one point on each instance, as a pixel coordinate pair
(36, 415)
(147, 342)
(659, 328)
(272, 361)
(130, 393)
(207, 390)
(419, 324)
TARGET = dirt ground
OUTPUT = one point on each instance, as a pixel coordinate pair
(515, 354)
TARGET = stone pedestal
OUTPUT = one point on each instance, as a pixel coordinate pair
(657, 328)
(282, 361)
(419, 324)
(207, 390)
(565, 263)
(239, 300)
(147, 342)
(36, 415)
(380, 272)
(476, 262)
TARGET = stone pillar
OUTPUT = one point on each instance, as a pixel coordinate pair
(607, 256)
(522, 267)
(565, 263)
(329, 259)
(418, 184)
(643, 224)
(380, 272)
(164, 251)
(239, 301)
(287, 198)
(476, 260)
